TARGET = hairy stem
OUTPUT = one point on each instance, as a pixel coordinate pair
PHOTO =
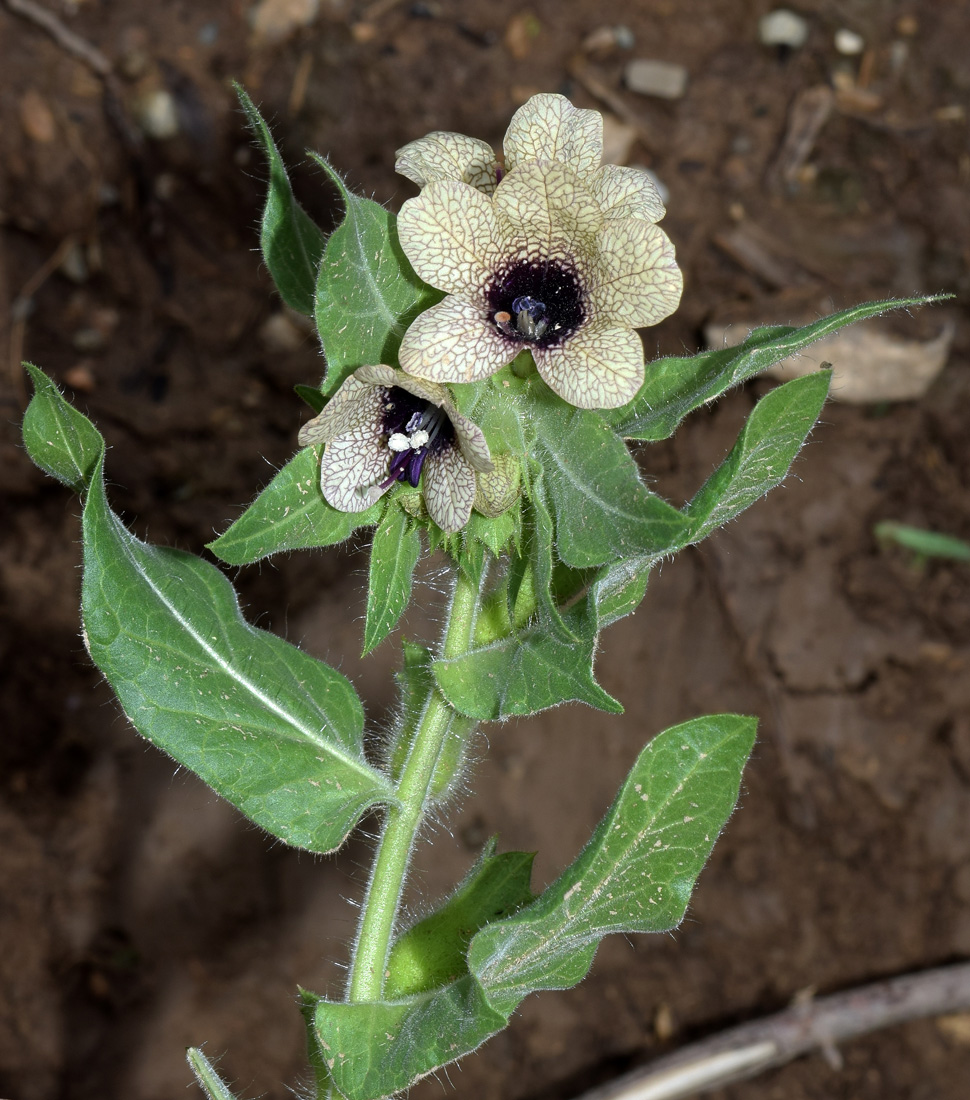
(404, 819)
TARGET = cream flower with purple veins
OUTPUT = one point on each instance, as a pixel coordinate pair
(547, 127)
(544, 263)
(383, 426)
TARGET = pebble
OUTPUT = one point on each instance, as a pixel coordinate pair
(782, 27)
(848, 43)
(281, 333)
(158, 114)
(664, 79)
(604, 41)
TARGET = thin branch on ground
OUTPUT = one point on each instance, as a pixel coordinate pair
(73, 43)
(750, 1049)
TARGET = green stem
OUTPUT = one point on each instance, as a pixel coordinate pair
(404, 819)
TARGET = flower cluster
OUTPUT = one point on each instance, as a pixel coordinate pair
(555, 253)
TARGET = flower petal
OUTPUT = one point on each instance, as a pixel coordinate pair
(599, 368)
(549, 127)
(546, 210)
(446, 156)
(453, 342)
(449, 233)
(354, 406)
(352, 468)
(420, 387)
(471, 440)
(449, 489)
(627, 193)
(636, 279)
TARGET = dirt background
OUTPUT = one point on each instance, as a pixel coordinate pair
(137, 913)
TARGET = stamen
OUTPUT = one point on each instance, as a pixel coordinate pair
(503, 321)
(398, 441)
(419, 439)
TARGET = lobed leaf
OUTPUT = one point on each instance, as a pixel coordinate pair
(290, 514)
(366, 293)
(276, 732)
(291, 242)
(432, 952)
(677, 385)
(527, 671)
(772, 435)
(636, 874)
(602, 509)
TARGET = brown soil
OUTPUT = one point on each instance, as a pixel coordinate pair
(138, 913)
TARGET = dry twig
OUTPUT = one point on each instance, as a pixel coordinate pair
(745, 1051)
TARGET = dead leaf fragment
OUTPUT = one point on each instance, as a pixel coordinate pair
(870, 364)
(956, 1027)
(273, 21)
(37, 118)
(520, 34)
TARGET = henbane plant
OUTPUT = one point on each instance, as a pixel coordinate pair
(482, 380)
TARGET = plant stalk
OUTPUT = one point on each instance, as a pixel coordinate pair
(404, 819)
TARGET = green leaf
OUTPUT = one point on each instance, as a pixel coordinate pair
(277, 733)
(635, 875)
(637, 872)
(367, 293)
(205, 1073)
(772, 435)
(376, 1049)
(923, 543)
(59, 439)
(292, 243)
(527, 672)
(394, 553)
(432, 952)
(676, 386)
(290, 514)
(602, 509)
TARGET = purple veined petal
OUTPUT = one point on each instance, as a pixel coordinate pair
(448, 156)
(627, 193)
(453, 342)
(549, 127)
(449, 489)
(352, 469)
(636, 279)
(351, 408)
(450, 235)
(602, 367)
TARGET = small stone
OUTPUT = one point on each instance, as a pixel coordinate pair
(281, 333)
(89, 339)
(75, 265)
(782, 27)
(158, 115)
(663, 79)
(848, 43)
(604, 41)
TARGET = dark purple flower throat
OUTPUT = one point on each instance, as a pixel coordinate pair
(414, 428)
